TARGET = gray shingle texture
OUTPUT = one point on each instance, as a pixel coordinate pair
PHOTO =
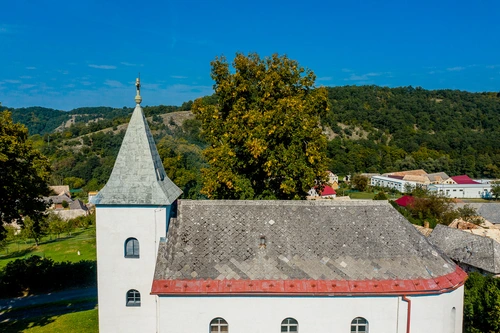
(467, 248)
(489, 210)
(328, 240)
(138, 176)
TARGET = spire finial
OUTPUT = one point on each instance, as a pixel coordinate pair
(138, 98)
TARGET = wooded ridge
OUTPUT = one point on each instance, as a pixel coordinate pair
(369, 129)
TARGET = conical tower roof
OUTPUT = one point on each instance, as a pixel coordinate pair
(138, 177)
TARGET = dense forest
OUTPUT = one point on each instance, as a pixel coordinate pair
(369, 128)
(379, 129)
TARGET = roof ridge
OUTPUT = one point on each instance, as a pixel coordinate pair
(380, 203)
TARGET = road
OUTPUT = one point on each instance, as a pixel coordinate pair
(66, 295)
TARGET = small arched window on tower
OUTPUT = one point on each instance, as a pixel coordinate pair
(131, 248)
(219, 325)
(133, 298)
(289, 325)
(359, 325)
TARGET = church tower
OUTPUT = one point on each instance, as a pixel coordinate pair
(132, 215)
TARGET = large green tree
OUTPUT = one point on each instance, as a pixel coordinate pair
(24, 172)
(264, 137)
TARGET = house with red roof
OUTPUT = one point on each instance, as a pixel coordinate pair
(464, 179)
(405, 201)
(327, 193)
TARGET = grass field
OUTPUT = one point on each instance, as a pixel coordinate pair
(370, 195)
(75, 322)
(62, 249)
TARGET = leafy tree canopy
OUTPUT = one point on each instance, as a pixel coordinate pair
(24, 172)
(263, 133)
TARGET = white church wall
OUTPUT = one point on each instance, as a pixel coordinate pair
(264, 314)
(435, 313)
(117, 274)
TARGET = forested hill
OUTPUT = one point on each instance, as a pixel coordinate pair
(370, 129)
(40, 120)
(405, 128)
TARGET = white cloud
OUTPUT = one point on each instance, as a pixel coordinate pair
(113, 83)
(25, 77)
(492, 66)
(102, 66)
(86, 83)
(325, 78)
(363, 77)
(12, 81)
(455, 69)
(30, 67)
(346, 70)
(178, 77)
(124, 63)
(26, 86)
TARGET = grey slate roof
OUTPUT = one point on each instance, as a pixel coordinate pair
(467, 248)
(57, 199)
(437, 176)
(138, 176)
(322, 240)
(78, 204)
(490, 211)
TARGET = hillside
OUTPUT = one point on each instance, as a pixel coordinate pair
(370, 129)
(437, 130)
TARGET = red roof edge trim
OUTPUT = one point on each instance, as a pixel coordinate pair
(438, 285)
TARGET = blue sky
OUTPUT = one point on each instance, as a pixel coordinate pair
(68, 54)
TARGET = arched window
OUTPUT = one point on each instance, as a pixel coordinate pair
(359, 324)
(289, 325)
(133, 298)
(453, 319)
(131, 248)
(218, 325)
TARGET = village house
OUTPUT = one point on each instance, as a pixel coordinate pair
(471, 252)
(171, 265)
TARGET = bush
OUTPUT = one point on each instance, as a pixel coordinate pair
(481, 304)
(40, 275)
(380, 196)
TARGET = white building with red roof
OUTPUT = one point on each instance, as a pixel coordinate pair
(168, 265)
(464, 187)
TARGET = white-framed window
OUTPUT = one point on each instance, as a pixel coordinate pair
(133, 298)
(359, 325)
(289, 325)
(131, 248)
(219, 325)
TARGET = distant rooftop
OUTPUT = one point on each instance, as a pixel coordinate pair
(466, 248)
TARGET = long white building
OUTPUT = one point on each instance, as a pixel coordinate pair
(394, 183)
(463, 190)
(168, 265)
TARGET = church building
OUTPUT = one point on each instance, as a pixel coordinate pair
(194, 266)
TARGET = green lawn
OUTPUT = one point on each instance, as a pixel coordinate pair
(361, 195)
(62, 249)
(370, 195)
(75, 322)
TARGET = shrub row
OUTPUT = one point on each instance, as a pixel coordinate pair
(34, 275)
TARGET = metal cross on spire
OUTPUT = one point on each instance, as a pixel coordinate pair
(138, 98)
